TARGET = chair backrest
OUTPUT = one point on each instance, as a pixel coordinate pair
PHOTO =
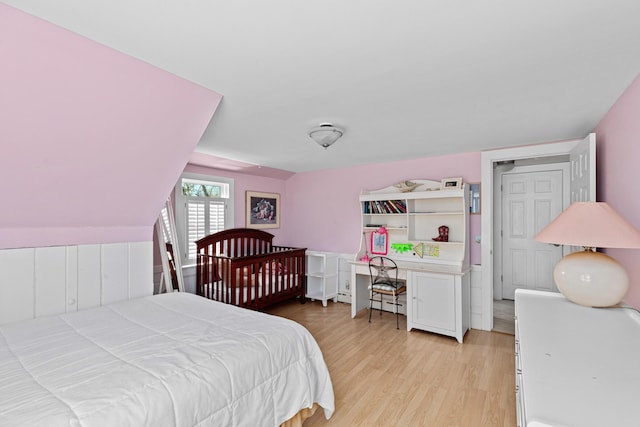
(383, 270)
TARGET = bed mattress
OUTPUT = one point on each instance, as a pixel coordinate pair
(166, 360)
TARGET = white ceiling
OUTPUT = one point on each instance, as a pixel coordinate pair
(405, 79)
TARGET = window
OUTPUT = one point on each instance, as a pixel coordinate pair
(204, 205)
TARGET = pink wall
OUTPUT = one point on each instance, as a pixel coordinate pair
(244, 182)
(92, 140)
(321, 209)
(618, 141)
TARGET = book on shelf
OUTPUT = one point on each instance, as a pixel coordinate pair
(390, 206)
(398, 205)
(384, 207)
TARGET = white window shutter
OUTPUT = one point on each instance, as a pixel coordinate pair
(196, 225)
(216, 216)
(165, 224)
(204, 217)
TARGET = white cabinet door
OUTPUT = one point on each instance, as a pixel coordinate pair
(433, 301)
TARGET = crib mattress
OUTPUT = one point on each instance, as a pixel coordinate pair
(250, 288)
(167, 360)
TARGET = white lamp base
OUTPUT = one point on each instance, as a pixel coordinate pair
(591, 278)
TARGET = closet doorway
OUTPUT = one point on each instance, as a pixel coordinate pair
(582, 158)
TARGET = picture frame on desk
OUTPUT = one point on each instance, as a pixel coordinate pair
(451, 184)
(379, 242)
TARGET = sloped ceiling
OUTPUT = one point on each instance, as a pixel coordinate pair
(405, 79)
(92, 140)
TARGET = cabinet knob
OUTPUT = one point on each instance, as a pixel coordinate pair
(71, 301)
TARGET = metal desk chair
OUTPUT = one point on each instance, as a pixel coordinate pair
(384, 281)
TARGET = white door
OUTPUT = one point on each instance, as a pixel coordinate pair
(583, 170)
(530, 200)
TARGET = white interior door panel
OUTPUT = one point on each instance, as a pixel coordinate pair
(530, 201)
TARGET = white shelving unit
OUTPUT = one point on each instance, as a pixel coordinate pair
(322, 276)
(412, 219)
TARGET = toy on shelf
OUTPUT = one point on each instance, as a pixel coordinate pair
(443, 231)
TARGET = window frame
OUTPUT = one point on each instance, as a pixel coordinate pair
(181, 209)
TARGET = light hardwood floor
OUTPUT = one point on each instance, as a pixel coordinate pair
(504, 316)
(388, 377)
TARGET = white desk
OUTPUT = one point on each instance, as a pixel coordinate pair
(575, 365)
(438, 296)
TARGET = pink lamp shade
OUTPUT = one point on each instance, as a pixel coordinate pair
(591, 278)
(590, 224)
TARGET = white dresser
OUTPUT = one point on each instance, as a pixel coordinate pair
(575, 366)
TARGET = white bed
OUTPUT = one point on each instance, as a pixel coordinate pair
(165, 360)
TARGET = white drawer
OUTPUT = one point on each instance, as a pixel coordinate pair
(520, 417)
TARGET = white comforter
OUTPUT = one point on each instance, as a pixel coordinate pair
(166, 360)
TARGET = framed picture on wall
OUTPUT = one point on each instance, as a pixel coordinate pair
(262, 210)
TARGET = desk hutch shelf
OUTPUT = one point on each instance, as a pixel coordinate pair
(437, 273)
(412, 219)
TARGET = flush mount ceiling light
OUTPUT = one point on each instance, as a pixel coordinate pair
(325, 134)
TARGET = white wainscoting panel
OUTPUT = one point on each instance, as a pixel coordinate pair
(115, 273)
(140, 279)
(72, 278)
(476, 297)
(344, 277)
(89, 262)
(17, 293)
(51, 280)
(38, 282)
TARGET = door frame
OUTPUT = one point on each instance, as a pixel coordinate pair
(563, 167)
(488, 158)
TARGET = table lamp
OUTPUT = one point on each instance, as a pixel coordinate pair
(588, 277)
